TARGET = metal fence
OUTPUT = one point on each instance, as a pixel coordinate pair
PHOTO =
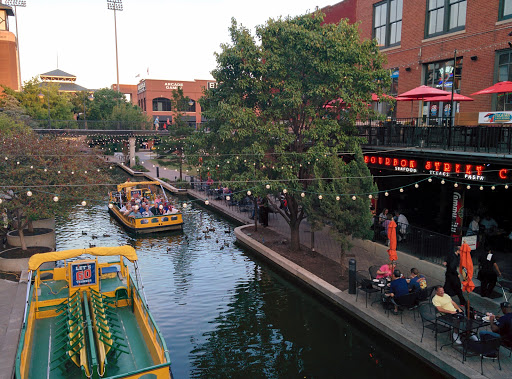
(490, 139)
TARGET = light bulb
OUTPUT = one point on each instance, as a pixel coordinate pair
(29, 193)
(386, 193)
(72, 173)
(468, 186)
(416, 185)
(442, 181)
(85, 172)
(430, 180)
(267, 186)
(493, 188)
(31, 166)
(370, 196)
(206, 202)
(320, 197)
(401, 190)
(45, 170)
(84, 203)
(481, 188)
(285, 190)
(456, 185)
(506, 186)
(302, 194)
(228, 198)
(337, 198)
(110, 205)
(184, 205)
(249, 193)
(55, 198)
(353, 197)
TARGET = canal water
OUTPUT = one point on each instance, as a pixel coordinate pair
(226, 314)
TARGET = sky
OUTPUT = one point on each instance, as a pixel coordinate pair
(157, 39)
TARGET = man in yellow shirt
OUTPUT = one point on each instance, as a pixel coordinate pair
(445, 305)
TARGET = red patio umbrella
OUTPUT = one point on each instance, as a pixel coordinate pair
(392, 241)
(500, 87)
(456, 97)
(424, 92)
(466, 270)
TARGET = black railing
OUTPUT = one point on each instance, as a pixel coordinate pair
(490, 139)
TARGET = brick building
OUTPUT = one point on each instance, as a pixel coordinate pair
(421, 38)
(155, 99)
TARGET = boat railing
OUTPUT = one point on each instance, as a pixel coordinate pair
(149, 321)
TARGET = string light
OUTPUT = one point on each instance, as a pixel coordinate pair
(430, 180)
(184, 205)
(206, 202)
(267, 186)
(468, 186)
(29, 193)
(285, 190)
(401, 190)
(443, 182)
(416, 185)
(110, 205)
(353, 197)
(320, 197)
(55, 198)
(456, 185)
(506, 186)
(370, 196)
(337, 198)
(228, 198)
(493, 188)
(302, 194)
(84, 203)
(481, 188)
(386, 193)
(249, 193)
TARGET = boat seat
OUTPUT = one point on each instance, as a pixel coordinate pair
(121, 294)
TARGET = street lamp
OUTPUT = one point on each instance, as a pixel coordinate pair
(116, 5)
(41, 96)
(17, 3)
(90, 98)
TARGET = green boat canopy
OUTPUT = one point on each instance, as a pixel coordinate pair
(38, 259)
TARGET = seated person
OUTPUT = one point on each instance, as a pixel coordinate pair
(386, 270)
(473, 227)
(158, 200)
(416, 281)
(385, 224)
(146, 212)
(402, 223)
(490, 225)
(135, 213)
(397, 288)
(445, 305)
(123, 208)
(503, 327)
(128, 209)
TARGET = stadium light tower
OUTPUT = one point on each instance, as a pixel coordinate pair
(15, 4)
(116, 5)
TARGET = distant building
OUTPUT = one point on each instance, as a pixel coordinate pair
(9, 74)
(65, 81)
(128, 90)
(155, 99)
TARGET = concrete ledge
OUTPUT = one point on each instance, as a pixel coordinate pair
(344, 301)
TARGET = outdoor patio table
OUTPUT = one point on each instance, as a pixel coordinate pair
(466, 327)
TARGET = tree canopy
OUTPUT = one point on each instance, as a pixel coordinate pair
(283, 115)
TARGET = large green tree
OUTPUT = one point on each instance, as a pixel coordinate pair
(285, 107)
(35, 171)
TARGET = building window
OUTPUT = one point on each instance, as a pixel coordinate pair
(161, 104)
(443, 75)
(387, 22)
(503, 73)
(505, 10)
(444, 16)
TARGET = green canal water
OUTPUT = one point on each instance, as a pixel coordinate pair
(226, 314)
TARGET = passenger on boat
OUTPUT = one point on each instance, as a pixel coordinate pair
(146, 212)
(123, 208)
(158, 200)
(128, 209)
(135, 213)
(155, 209)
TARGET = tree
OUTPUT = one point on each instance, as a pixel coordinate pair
(285, 107)
(47, 167)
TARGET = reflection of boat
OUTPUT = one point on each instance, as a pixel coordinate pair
(89, 319)
(133, 192)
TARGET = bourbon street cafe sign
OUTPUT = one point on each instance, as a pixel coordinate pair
(475, 171)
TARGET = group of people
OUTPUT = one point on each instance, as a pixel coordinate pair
(141, 207)
(381, 224)
(400, 285)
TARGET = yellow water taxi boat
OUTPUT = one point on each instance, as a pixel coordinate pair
(89, 319)
(135, 192)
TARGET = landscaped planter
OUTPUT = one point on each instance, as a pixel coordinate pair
(48, 223)
(9, 261)
(40, 237)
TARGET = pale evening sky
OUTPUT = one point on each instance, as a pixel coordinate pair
(175, 39)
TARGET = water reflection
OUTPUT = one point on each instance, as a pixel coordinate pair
(224, 314)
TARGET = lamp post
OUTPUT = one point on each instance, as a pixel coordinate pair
(116, 5)
(90, 98)
(41, 96)
(15, 4)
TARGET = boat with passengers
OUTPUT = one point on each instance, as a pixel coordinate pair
(135, 194)
(89, 318)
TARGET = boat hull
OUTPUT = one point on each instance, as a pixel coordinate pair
(148, 224)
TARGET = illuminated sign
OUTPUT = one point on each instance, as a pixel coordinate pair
(455, 170)
(83, 274)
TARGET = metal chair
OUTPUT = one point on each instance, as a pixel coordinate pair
(429, 320)
(488, 347)
(406, 302)
(366, 285)
(373, 271)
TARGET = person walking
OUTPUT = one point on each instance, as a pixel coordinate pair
(488, 272)
(452, 285)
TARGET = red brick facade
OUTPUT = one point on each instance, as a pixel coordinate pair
(149, 89)
(478, 43)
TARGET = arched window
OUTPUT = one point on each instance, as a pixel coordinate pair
(161, 104)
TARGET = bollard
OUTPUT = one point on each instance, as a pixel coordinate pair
(157, 171)
(352, 276)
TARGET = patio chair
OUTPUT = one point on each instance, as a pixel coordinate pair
(406, 302)
(366, 285)
(507, 344)
(424, 295)
(487, 347)
(373, 271)
(428, 320)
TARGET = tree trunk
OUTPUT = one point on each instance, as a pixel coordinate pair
(256, 214)
(342, 261)
(181, 165)
(30, 226)
(22, 239)
(295, 237)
